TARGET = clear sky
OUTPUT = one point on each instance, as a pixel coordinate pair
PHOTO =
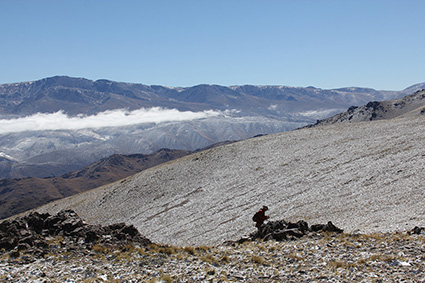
(326, 44)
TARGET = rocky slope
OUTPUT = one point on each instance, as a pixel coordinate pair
(411, 105)
(344, 258)
(361, 176)
(65, 248)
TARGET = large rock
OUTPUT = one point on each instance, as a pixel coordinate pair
(282, 230)
(34, 229)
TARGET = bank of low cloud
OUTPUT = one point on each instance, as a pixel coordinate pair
(112, 118)
(321, 114)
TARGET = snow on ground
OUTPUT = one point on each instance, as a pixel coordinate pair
(363, 177)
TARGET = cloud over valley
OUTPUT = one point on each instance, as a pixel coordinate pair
(112, 118)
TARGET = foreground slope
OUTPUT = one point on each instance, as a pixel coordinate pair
(361, 176)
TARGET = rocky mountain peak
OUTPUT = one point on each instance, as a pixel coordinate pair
(378, 110)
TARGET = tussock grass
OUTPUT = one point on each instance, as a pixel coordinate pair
(165, 278)
(203, 248)
(99, 248)
(190, 250)
(258, 259)
(168, 250)
(335, 264)
(209, 258)
(296, 256)
(225, 259)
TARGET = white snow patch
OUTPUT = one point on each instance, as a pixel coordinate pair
(4, 155)
(272, 107)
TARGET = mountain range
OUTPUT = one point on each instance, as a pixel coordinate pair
(82, 96)
(363, 176)
(83, 121)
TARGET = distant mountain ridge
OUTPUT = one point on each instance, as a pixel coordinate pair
(79, 95)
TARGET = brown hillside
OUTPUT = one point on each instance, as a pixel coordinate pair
(19, 195)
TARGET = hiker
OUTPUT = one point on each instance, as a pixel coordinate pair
(260, 216)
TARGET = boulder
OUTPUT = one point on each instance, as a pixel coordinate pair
(35, 229)
(283, 230)
(417, 230)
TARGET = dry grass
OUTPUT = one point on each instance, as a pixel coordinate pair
(209, 258)
(165, 278)
(190, 250)
(335, 264)
(99, 248)
(258, 259)
(342, 257)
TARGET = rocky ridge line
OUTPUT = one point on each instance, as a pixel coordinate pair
(33, 233)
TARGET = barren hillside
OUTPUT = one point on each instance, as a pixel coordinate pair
(361, 176)
(19, 195)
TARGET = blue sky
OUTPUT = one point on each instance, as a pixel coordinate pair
(326, 44)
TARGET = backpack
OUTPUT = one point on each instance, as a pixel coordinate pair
(255, 217)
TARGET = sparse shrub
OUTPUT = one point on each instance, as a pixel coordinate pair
(190, 250)
(58, 240)
(209, 259)
(128, 248)
(99, 248)
(334, 264)
(166, 278)
(225, 259)
(388, 258)
(375, 236)
(168, 250)
(375, 257)
(296, 256)
(140, 251)
(202, 248)
(123, 256)
(362, 261)
(258, 259)
(153, 248)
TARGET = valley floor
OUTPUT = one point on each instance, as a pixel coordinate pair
(389, 257)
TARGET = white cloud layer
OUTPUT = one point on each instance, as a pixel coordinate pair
(321, 114)
(112, 118)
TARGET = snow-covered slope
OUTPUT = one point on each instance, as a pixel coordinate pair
(53, 153)
(362, 176)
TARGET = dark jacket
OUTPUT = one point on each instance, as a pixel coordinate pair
(261, 217)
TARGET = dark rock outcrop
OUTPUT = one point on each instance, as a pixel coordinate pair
(417, 230)
(283, 230)
(34, 231)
